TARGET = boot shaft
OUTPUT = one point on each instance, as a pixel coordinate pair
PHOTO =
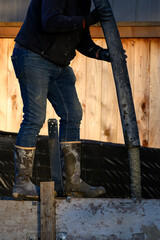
(73, 183)
(23, 159)
(71, 154)
(23, 187)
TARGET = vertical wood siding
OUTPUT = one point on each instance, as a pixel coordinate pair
(147, 10)
(124, 10)
(96, 90)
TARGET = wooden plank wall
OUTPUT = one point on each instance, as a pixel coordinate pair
(96, 90)
(124, 10)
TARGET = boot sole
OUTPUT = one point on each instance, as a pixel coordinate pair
(74, 194)
(20, 196)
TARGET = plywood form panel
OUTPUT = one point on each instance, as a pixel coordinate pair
(19, 220)
(96, 90)
(124, 10)
(148, 10)
(93, 97)
(3, 83)
(154, 114)
(13, 11)
(14, 101)
(80, 69)
(141, 87)
(109, 104)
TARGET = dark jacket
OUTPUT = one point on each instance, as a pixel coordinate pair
(54, 29)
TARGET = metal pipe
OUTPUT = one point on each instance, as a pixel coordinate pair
(124, 94)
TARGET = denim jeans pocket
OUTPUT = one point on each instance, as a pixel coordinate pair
(15, 65)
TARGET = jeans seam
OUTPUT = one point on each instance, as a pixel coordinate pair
(64, 107)
(24, 111)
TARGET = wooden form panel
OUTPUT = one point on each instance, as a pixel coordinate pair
(147, 10)
(125, 13)
(83, 219)
(126, 30)
(19, 220)
(96, 90)
(124, 10)
(154, 100)
(13, 10)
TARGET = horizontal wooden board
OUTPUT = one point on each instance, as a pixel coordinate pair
(126, 30)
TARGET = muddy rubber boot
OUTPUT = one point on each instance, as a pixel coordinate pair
(73, 184)
(23, 187)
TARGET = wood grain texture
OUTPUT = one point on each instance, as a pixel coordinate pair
(96, 91)
(47, 211)
(14, 101)
(154, 100)
(4, 83)
(93, 97)
(80, 69)
(19, 220)
(141, 87)
(109, 104)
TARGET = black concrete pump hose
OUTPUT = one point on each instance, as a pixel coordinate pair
(124, 94)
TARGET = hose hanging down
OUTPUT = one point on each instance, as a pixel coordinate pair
(124, 94)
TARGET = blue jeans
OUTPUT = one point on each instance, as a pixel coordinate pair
(40, 79)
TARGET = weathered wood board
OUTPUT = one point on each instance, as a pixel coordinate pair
(19, 219)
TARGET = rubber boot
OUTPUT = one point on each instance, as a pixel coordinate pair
(73, 184)
(23, 187)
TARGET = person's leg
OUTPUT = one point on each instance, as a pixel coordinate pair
(63, 96)
(34, 87)
(33, 74)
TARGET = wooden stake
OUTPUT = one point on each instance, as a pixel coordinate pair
(47, 211)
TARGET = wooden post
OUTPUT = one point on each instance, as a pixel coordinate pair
(47, 211)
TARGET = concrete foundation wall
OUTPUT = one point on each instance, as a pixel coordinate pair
(84, 219)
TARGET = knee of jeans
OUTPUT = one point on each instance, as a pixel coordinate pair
(36, 122)
(75, 115)
(40, 121)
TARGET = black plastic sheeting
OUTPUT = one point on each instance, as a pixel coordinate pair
(102, 163)
(111, 165)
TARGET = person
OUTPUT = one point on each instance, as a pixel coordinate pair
(51, 33)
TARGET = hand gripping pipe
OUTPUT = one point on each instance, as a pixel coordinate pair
(124, 94)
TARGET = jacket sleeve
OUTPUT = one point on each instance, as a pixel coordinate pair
(87, 47)
(54, 20)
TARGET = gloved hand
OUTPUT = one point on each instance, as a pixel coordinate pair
(92, 18)
(103, 54)
(104, 12)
